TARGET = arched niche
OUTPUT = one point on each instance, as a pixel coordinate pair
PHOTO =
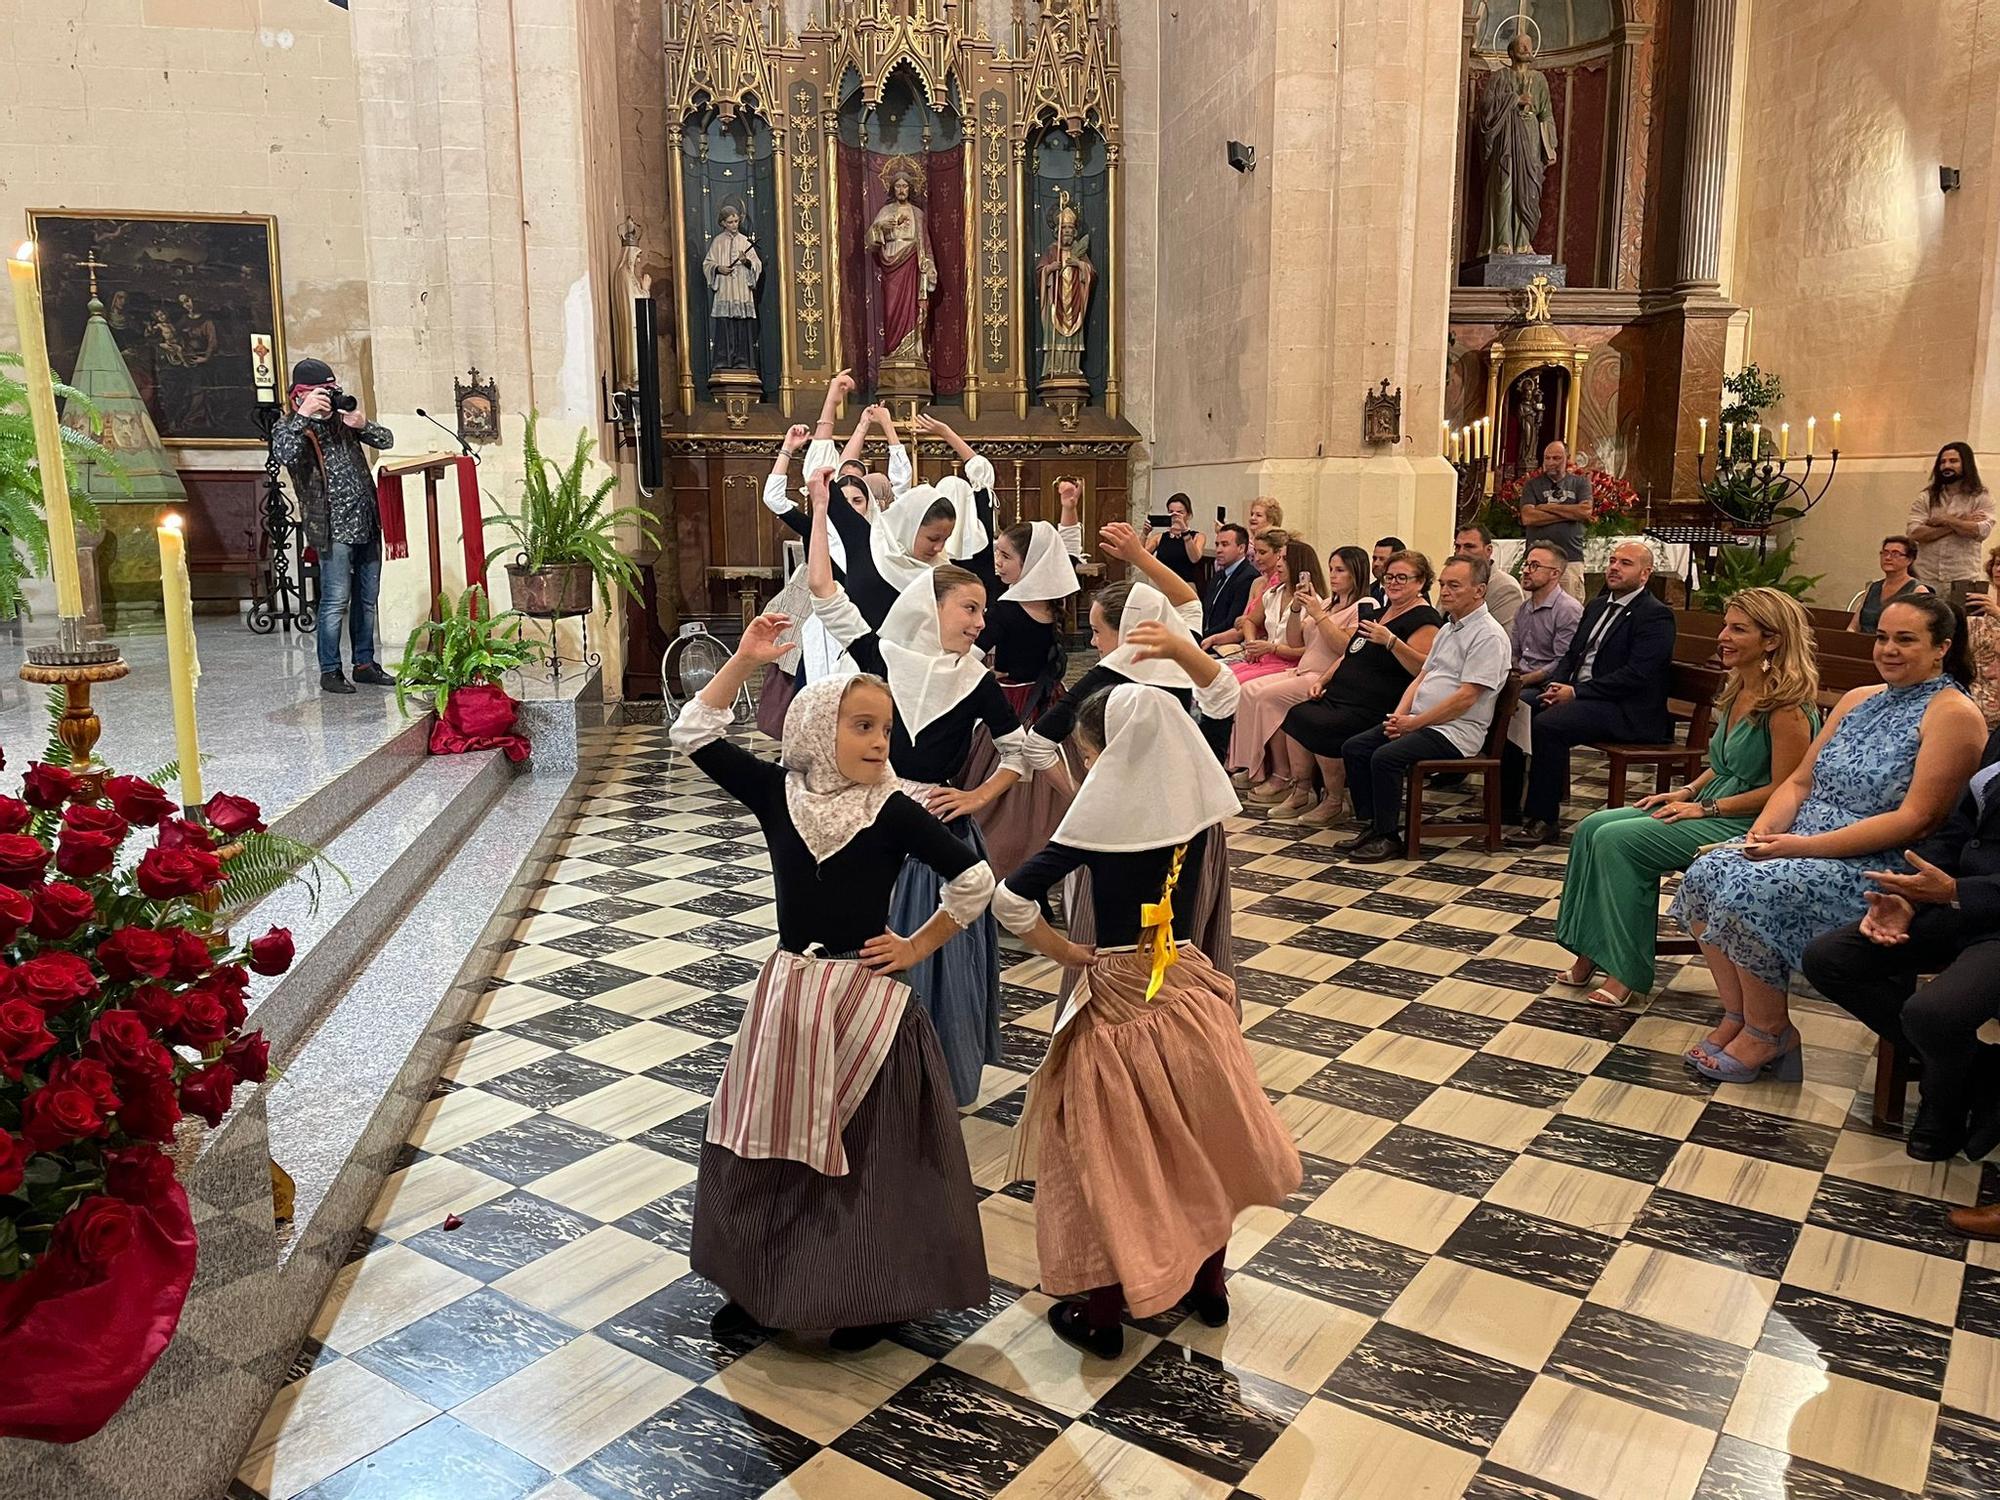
(726, 158)
(1078, 165)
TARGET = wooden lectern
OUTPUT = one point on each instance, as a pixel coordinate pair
(431, 465)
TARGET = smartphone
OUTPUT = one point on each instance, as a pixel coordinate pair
(1366, 606)
(1305, 579)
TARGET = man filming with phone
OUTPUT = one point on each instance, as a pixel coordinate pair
(320, 442)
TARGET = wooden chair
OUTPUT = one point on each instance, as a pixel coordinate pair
(1697, 686)
(1485, 765)
(1893, 1072)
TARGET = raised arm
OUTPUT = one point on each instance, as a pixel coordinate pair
(1122, 542)
(1216, 691)
(836, 392)
(819, 561)
(931, 426)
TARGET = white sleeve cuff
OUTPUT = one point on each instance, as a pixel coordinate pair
(821, 453)
(1219, 698)
(899, 469)
(699, 725)
(964, 897)
(1015, 913)
(774, 493)
(1072, 539)
(979, 472)
(1024, 753)
(843, 621)
(1190, 614)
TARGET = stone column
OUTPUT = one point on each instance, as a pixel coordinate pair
(1699, 268)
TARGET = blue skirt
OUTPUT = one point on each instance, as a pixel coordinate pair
(960, 983)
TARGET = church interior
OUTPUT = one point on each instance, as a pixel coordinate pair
(415, 413)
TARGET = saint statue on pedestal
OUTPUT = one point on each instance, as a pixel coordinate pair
(731, 269)
(1064, 277)
(899, 244)
(1517, 144)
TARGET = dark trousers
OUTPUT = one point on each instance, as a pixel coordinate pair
(1377, 767)
(1935, 1021)
(1217, 732)
(1557, 731)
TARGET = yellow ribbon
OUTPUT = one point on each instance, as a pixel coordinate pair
(1157, 918)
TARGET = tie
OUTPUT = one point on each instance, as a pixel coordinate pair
(1597, 634)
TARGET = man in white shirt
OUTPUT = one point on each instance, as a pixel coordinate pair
(1951, 520)
(1444, 713)
(1503, 594)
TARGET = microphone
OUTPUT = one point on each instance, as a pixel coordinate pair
(463, 446)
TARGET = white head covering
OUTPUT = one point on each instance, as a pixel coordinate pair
(894, 532)
(1045, 572)
(926, 681)
(968, 532)
(827, 809)
(1148, 603)
(1155, 784)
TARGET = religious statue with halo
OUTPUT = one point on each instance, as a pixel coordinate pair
(1517, 145)
(1064, 277)
(899, 247)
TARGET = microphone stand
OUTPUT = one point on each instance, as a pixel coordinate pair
(457, 437)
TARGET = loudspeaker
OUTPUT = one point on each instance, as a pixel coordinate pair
(647, 433)
(1242, 157)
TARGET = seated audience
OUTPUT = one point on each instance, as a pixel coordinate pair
(1940, 916)
(1180, 546)
(1897, 556)
(1229, 584)
(1949, 520)
(1982, 613)
(1279, 640)
(1442, 715)
(1610, 685)
(1883, 773)
(1546, 622)
(1385, 548)
(1503, 594)
(1261, 628)
(1385, 653)
(1766, 715)
(1256, 748)
(1556, 508)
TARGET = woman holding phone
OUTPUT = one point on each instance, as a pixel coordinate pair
(1180, 546)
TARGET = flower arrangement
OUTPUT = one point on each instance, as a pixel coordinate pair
(122, 1012)
(1614, 503)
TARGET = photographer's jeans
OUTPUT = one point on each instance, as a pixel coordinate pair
(350, 575)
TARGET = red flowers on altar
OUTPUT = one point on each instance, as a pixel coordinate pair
(121, 1013)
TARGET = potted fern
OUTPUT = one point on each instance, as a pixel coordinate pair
(455, 664)
(565, 534)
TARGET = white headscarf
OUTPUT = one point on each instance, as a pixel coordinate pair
(926, 681)
(1148, 603)
(1045, 572)
(827, 809)
(1155, 784)
(894, 531)
(968, 532)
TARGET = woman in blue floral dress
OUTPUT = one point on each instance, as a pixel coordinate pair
(1881, 775)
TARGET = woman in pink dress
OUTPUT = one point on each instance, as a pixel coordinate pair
(1326, 625)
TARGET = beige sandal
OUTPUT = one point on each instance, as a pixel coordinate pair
(1605, 1000)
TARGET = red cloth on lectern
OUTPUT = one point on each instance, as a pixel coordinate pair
(70, 1358)
(471, 525)
(389, 514)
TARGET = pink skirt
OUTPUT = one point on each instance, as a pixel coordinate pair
(1263, 666)
(1261, 714)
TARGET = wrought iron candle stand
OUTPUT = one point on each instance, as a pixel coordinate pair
(1758, 494)
(285, 602)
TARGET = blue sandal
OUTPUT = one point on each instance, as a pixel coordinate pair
(1786, 1065)
(1704, 1050)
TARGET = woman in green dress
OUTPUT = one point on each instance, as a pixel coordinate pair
(1766, 716)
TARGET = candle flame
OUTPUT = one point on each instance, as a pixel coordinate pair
(25, 250)
(171, 520)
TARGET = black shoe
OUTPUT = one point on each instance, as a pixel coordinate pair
(734, 1322)
(1934, 1136)
(1067, 1319)
(1355, 841)
(854, 1340)
(1375, 849)
(1985, 1132)
(1532, 833)
(1213, 1310)
(333, 682)
(373, 675)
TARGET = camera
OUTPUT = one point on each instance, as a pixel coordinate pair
(339, 400)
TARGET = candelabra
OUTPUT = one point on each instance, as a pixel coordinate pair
(1759, 492)
(1472, 488)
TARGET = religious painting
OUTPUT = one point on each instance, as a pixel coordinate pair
(186, 295)
(478, 408)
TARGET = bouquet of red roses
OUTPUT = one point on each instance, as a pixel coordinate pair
(1614, 502)
(121, 1012)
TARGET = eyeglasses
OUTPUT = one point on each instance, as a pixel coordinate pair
(1541, 567)
(1399, 578)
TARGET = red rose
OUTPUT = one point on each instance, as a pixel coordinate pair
(83, 853)
(191, 953)
(138, 1174)
(230, 816)
(249, 1057)
(54, 1115)
(59, 909)
(166, 873)
(272, 953)
(138, 800)
(123, 1041)
(23, 860)
(87, 818)
(204, 1022)
(54, 980)
(13, 1161)
(16, 911)
(150, 1109)
(15, 815)
(131, 952)
(230, 979)
(93, 1234)
(88, 1074)
(24, 1036)
(159, 1008)
(47, 787)
(208, 1091)
(179, 833)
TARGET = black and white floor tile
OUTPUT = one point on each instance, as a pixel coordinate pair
(1533, 1255)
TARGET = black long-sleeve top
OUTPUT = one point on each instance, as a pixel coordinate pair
(1120, 884)
(1023, 647)
(1058, 719)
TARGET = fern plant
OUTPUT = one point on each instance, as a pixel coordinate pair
(562, 522)
(1738, 568)
(468, 645)
(24, 530)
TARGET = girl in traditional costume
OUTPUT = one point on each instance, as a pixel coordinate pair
(834, 1190)
(1146, 1128)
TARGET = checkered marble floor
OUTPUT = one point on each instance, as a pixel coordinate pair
(1534, 1257)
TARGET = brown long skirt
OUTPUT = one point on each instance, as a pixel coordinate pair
(1024, 817)
(1151, 1134)
(895, 1239)
(1211, 912)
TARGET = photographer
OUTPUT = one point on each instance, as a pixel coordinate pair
(319, 441)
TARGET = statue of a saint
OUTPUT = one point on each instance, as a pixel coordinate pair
(634, 285)
(731, 268)
(1517, 143)
(1064, 277)
(899, 243)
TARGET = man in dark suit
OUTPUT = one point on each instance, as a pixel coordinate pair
(1229, 585)
(1941, 917)
(1610, 685)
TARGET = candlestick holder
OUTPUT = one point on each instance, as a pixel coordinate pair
(1474, 485)
(76, 664)
(1758, 494)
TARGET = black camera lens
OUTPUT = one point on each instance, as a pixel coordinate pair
(343, 402)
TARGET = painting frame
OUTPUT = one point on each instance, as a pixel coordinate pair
(65, 293)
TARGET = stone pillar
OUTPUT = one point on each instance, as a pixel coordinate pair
(1699, 267)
